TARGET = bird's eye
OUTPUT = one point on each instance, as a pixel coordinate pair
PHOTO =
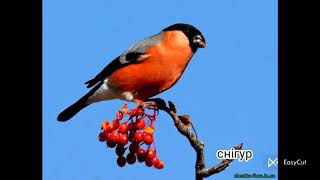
(198, 40)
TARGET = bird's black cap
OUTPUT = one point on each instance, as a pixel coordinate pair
(189, 30)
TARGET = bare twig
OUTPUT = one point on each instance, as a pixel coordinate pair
(182, 124)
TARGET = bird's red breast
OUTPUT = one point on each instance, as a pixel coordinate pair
(164, 64)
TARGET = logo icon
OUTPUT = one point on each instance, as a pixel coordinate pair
(272, 162)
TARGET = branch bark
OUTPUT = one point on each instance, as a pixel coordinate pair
(183, 124)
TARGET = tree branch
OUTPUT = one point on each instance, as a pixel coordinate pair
(183, 124)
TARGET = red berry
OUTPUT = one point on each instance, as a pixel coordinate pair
(140, 123)
(148, 139)
(103, 136)
(119, 115)
(111, 144)
(138, 136)
(131, 158)
(115, 124)
(149, 130)
(131, 137)
(120, 150)
(139, 111)
(123, 139)
(151, 154)
(134, 147)
(108, 128)
(141, 155)
(149, 162)
(113, 136)
(108, 136)
(156, 160)
(159, 164)
(104, 124)
(131, 126)
(141, 151)
(121, 161)
(123, 128)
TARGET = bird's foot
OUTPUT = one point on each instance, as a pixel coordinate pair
(156, 103)
(152, 103)
(140, 103)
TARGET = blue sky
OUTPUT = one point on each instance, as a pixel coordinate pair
(229, 89)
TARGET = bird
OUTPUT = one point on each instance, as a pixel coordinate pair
(146, 69)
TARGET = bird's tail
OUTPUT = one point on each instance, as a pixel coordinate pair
(73, 109)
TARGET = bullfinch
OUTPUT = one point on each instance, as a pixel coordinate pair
(146, 69)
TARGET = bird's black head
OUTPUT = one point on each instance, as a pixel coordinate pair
(195, 37)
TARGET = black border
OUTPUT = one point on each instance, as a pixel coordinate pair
(295, 111)
(37, 75)
(281, 84)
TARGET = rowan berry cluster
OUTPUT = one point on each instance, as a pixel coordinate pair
(134, 133)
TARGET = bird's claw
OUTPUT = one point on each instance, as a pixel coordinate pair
(156, 103)
(151, 105)
(147, 104)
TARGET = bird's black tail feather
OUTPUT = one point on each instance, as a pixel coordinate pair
(73, 109)
(77, 106)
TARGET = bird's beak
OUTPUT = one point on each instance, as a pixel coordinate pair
(199, 41)
(202, 44)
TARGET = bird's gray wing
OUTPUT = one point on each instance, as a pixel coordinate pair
(134, 54)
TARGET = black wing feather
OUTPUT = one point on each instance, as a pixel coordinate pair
(105, 72)
(131, 57)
